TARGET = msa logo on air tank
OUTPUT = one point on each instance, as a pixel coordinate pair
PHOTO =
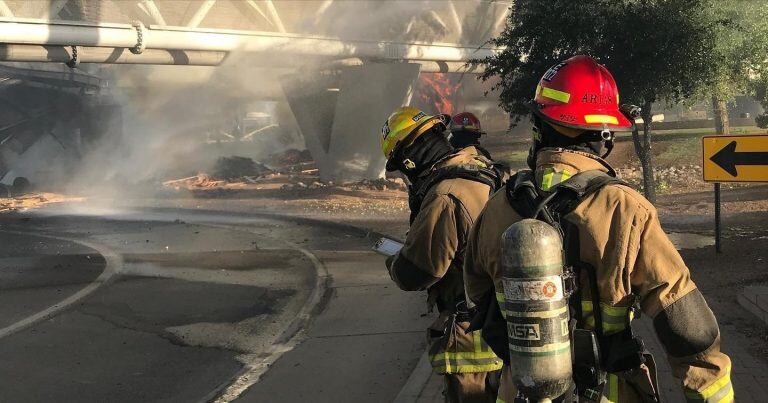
(524, 331)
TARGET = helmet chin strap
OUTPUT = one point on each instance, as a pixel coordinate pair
(608, 149)
(608, 138)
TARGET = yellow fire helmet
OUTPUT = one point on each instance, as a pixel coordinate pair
(404, 126)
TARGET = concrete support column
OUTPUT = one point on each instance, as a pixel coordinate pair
(340, 115)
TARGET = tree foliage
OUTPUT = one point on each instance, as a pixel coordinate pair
(655, 48)
(741, 50)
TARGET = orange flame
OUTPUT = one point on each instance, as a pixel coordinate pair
(436, 90)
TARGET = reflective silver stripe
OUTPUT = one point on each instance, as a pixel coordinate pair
(720, 391)
(538, 314)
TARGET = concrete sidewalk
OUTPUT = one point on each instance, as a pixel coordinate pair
(362, 347)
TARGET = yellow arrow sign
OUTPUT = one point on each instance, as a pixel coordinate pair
(735, 158)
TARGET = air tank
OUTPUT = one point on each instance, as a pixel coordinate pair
(536, 310)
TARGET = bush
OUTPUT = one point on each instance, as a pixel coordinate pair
(762, 121)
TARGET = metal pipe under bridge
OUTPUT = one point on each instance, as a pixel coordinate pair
(32, 40)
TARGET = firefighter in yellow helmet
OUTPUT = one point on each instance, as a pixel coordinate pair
(448, 188)
(623, 262)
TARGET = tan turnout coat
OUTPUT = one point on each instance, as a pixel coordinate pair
(432, 259)
(621, 236)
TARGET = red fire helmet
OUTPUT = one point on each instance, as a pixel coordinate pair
(580, 93)
(466, 121)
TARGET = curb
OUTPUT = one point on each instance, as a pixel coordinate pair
(288, 338)
(416, 381)
(754, 299)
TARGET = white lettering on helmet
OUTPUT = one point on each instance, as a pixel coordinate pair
(419, 116)
(385, 130)
(550, 74)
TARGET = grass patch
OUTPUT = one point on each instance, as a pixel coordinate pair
(680, 151)
(683, 146)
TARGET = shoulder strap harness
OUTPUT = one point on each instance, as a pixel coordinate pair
(484, 171)
(618, 352)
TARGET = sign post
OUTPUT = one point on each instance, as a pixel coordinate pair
(718, 247)
(733, 159)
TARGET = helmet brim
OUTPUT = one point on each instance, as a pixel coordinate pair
(608, 118)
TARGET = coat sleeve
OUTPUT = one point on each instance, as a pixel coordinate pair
(431, 245)
(477, 277)
(683, 322)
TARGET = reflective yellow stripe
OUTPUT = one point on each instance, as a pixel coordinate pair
(615, 318)
(551, 93)
(477, 341)
(463, 355)
(452, 364)
(502, 303)
(546, 179)
(613, 388)
(464, 369)
(482, 359)
(719, 391)
(601, 119)
(607, 309)
(551, 178)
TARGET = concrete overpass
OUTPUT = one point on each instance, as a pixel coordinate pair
(341, 66)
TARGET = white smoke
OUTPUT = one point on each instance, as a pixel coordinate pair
(169, 112)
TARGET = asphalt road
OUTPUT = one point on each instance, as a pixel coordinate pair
(183, 306)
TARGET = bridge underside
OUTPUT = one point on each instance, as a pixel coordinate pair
(339, 93)
(49, 117)
(340, 115)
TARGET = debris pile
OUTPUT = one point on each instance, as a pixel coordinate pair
(291, 157)
(236, 168)
(33, 200)
(380, 184)
(199, 181)
(289, 171)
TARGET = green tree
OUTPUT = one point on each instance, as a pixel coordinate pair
(656, 49)
(760, 88)
(740, 56)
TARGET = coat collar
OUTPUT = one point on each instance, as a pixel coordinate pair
(556, 165)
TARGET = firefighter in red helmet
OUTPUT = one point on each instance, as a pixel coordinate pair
(465, 131)
(622, 261)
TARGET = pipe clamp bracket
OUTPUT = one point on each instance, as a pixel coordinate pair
(140, 45)
(74, 61)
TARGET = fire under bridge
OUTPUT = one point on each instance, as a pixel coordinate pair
(341, 67)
